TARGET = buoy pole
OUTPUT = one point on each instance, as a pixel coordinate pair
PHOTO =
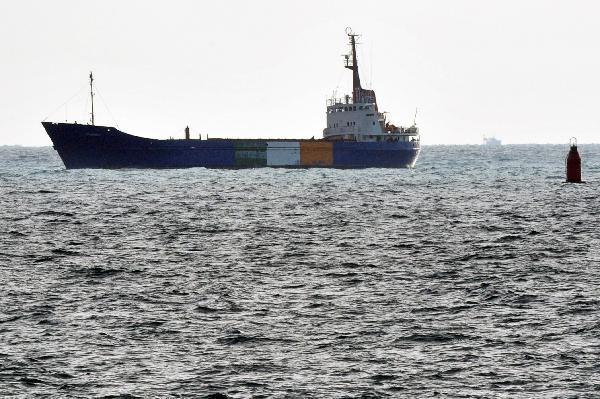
(573, 163)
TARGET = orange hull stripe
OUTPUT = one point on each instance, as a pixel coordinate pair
(316, 154)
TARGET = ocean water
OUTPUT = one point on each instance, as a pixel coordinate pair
(474, 275)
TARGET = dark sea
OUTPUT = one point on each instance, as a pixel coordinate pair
(474, 275)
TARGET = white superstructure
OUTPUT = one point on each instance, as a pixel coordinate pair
(357, 117)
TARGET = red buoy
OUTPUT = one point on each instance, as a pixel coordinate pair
(573, 163)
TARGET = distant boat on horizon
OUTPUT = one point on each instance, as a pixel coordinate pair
(491, 141)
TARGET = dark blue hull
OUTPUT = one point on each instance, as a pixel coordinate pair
(86, 146)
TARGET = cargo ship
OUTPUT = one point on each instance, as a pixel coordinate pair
(357, 135)
(491, 141)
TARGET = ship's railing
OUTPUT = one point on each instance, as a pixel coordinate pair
(406, 135)
(409, 131)
(347, 101)
(339, 101)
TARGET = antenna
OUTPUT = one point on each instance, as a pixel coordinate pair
(371, 66)
(356, 88)
(415, 119)
(92, 95)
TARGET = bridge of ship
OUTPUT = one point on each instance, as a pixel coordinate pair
(361, 121)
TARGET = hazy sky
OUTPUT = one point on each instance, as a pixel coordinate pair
(524, 71)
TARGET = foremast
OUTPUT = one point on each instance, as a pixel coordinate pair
(92, 95)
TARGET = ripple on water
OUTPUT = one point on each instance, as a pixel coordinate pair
(469, 276)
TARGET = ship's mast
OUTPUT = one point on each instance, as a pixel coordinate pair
(92, 95)
(354, 66)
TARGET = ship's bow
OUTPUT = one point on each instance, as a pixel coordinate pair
(79, 146)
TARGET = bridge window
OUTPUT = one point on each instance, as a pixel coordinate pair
(354, 108)
(345, 108)
(360, 107)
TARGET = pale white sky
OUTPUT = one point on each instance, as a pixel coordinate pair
(524, 71)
